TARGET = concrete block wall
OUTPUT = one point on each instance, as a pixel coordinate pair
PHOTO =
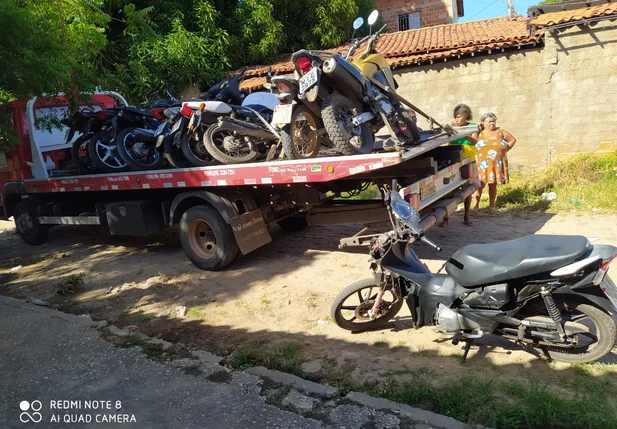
(557, 99)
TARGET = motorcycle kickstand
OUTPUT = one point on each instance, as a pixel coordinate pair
(468, 343)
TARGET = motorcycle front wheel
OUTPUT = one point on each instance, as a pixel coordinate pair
(350, 309)
(228, 147)
(81, 155)
(337, 112)
(138, 154)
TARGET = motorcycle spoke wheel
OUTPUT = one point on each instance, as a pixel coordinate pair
(142, 153)
(352, 306)
(305, 135)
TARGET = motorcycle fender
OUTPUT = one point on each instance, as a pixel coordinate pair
(592, 294)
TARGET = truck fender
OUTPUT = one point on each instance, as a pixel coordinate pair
(11, 195)
(181, 203)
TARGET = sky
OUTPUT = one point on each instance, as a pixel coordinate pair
(482, 9)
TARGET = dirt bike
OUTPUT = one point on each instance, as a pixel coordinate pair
(547, 291)
(358, 96)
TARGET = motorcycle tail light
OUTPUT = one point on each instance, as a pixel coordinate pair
(283, 86)
(305, 64)
(605, 265)
(102, 115)
(186, 111)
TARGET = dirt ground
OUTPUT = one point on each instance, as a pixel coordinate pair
(281, 293)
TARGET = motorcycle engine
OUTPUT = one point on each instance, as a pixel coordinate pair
(452, 321)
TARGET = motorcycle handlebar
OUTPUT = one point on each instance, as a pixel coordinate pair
(430, 243)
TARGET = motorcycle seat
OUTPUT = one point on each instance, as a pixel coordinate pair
(483, 264)
(138, 111)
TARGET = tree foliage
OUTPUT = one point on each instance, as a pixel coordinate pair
(138, 47)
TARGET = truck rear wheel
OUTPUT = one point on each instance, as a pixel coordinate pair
(28, 226)
(207, 239)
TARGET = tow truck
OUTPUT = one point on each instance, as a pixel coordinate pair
(225, 210)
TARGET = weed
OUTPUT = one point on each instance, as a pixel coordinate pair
(264, 301)
(380, 343)
(583, 182)
(244, 358)
(310, 299)
(153, 351)
(482, 401)
(70, 285)
(144, 318)
(195, 312)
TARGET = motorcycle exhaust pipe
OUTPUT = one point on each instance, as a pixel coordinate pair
(340, 74)
(146, 136)
(247, 129)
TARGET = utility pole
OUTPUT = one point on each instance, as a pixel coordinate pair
(510, 8)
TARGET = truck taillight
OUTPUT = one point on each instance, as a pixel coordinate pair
(186, 111)
(305, 64)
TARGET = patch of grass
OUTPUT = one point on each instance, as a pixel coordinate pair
(245, 357)
(153, 351)
(310, 298)
(195, 312)
(581, 183)
(70, 285)
(381, 343)
(283, 357)
(265, 302)
(142, 318)
(504, 404)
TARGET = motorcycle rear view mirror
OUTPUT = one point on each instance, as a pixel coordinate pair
(358, 23)
(372, 19)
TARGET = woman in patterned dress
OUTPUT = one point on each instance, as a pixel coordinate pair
(492, 157)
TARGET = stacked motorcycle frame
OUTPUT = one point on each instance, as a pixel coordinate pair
(333, 103)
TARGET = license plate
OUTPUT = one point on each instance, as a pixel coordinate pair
(282, 114)
(159, 129)
(308, 80)
(428, 191)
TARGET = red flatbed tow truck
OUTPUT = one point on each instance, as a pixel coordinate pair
(226, 209)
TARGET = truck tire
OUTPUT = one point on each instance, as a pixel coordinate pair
(294, 223)
(207, 239)
(28, 226)
(299, 138)
(336, 113)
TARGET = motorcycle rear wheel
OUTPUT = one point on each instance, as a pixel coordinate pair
(337, 112)
(126, 142)
(227, 147)
(595, 330)
(104, 153)
(81, 156)
(365, 291)
(299, 138)
(194, 149)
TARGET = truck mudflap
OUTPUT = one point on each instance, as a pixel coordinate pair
(250, 230)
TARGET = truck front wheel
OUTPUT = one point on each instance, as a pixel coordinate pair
(28, 226)
(207, 239)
